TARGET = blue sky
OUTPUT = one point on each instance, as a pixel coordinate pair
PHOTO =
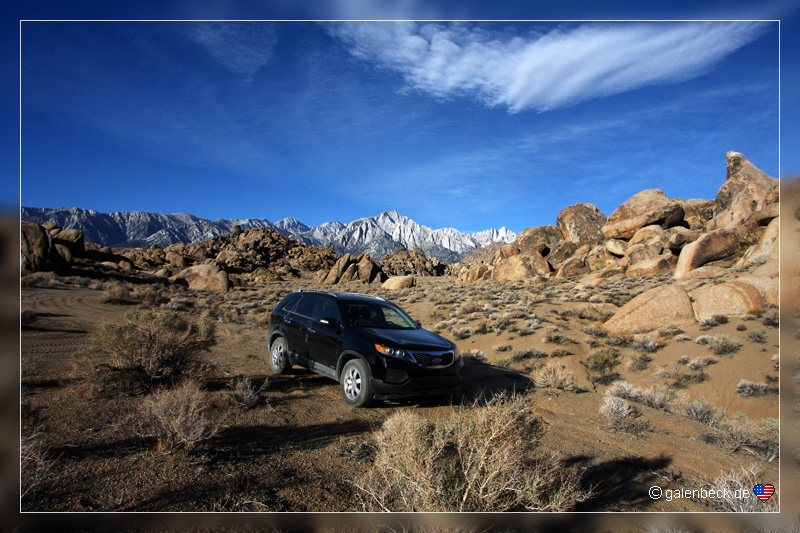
(470, 125)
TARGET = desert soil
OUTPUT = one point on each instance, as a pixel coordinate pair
(301, 448)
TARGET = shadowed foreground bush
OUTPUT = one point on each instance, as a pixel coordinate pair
(176, 418)
(152, 347)
(481, 459)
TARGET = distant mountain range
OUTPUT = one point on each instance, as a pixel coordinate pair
(378, 235)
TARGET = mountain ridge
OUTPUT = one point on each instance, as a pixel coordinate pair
(378, 235)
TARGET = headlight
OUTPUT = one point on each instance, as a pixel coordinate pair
(456, 354)
(391, 352)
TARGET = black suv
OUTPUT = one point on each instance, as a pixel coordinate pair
(367, 344)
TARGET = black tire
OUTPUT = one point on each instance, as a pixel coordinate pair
(279, 356)
(356, 384)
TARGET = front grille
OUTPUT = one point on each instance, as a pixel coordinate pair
(434, 358)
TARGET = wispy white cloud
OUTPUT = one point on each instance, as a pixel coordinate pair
(242, 47)
(548, 70)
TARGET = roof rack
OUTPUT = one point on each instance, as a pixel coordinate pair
(315, 290)
(331, 293)
(362, 294)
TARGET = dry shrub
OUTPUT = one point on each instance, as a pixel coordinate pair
(475, 355)
(481, 459)
(35, 465)
(702, 362)
(153, 347)
(655, 397)
(740, 435)
(553, 334)
(639, 361)
(722, 344)
(702, 411)
(177, 417)
(118, 294)
(461, 333)
(501, 347)
(771, 317)
(747, 388)
(556, 376)
(644, 344)
(243, 393)
(759, 337)
(736, 480)
(622, 416)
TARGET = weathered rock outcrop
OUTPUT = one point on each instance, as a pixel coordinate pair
(400, 282)
(538, 239)
(733, 298)
(648, 207)
(403, 262)
(709, 247)
(744, 192)
(581, 224)
(205, 277)
(513, 268)
(651, 310)
(37, 251)
(353, 268)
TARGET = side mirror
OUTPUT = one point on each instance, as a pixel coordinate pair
(330, 322)
(418, 323)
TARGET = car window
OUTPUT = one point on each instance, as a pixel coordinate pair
(327, 309)
(291, 304)
(305, 306)
(372, 315)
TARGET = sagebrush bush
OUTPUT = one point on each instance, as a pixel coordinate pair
(621, 415)
(702, 362)
(759, 337)
(642, 343)
(655, 398)
(771, 317)
(476, 355)
(501, 347)
(554, 375)
(35, 465)
(176, 418)
(118, 294)
(730, 482)
(747, 388)
(243, 393)
(157, 347)
(480, 459)
(704, 412)
(639, 361)
(722, 344)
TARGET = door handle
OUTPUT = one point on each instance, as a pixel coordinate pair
(312, 330)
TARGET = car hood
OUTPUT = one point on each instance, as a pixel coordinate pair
(409, 339)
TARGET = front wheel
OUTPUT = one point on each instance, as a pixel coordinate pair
(279, 356)
(356, 384)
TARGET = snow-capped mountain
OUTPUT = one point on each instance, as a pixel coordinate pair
(377, 235)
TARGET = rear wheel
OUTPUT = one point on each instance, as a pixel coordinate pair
(279, 356)
(355, 383)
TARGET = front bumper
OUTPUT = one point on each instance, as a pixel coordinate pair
(403, 379)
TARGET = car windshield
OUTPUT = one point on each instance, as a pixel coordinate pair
(375, 315)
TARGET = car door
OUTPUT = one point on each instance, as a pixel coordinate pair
(325, 333)
(297, 321)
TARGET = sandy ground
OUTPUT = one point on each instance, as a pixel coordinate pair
(301, 448)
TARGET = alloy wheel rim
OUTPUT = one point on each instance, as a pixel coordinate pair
(352, 384)
(277, 355)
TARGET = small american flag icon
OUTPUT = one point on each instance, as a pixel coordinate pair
(763, 492)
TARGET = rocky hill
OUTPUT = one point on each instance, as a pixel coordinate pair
(377, 236)
(731, 241)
